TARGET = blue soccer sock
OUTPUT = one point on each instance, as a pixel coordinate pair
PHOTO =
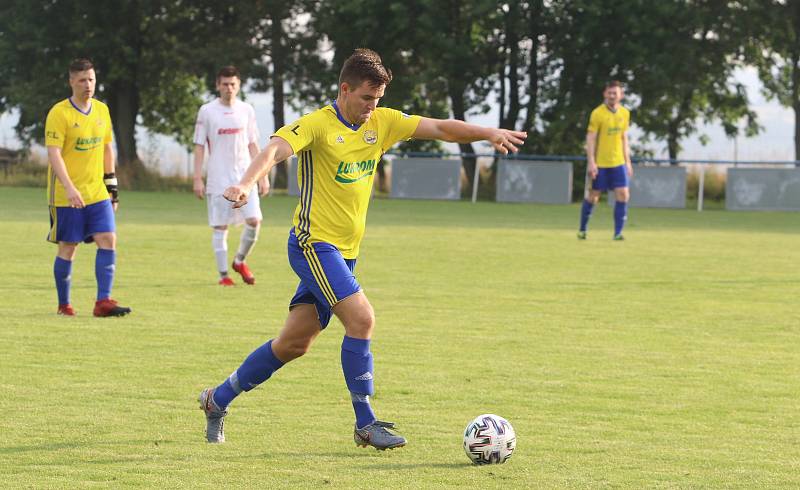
(357, 369)
(62, 270)
(620, 216)
(586, 213)
(257, 368)
(104, 272)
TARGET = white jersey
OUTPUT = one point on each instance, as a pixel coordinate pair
(227, 131)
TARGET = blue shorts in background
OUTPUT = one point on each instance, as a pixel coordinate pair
(325, 276)
(610, 178)
(74, 225)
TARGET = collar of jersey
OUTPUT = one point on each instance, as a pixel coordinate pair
(78, 108)
(353, 127)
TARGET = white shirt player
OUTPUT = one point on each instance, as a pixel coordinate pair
(227, 130)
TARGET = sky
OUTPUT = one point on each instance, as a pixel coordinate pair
(774, 143)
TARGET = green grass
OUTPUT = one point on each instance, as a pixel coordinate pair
(670, 360)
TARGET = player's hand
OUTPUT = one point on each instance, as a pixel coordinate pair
(505, 140)
(74, 198)
(199, 188)
(592, 168)
(629, 168)
(114, 205)
(263, 187)
(237, 194)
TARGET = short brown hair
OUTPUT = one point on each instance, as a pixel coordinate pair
(228, 71)
(613, 84)
(80, 64)
(364, 65)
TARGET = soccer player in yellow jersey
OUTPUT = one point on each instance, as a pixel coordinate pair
(609, 158)
(82, 188)
(338, 147)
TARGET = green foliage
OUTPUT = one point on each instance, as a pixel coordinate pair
(173, 112)
(148, 55)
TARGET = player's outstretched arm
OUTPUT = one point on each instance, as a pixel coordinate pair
(277, 150)
(455, 131)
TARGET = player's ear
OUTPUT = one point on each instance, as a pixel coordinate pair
(344, 88)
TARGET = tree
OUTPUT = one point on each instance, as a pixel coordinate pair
(775, 51)
(681, 65)
(147, 54)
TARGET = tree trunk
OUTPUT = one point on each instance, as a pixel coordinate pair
(672, 143)
(533, 69)
(457, 102)
(796, 103)
(278, 70)
(123, 107)
(512, 40)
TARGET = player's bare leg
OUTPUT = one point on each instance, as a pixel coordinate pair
(104, 269)
(62, 271)
(295, 338)
(358, 318)
(250, 232)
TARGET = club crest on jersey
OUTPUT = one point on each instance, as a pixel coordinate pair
(370, 137)
(350, 172)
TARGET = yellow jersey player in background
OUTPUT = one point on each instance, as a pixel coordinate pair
(338, 148)
(608, 158)
(82, 187)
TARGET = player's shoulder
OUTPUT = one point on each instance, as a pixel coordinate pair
(323, 116)
(60, 107)
(625, 111)
(101, 107)
(599, 110)
(247, 106)
(211, 104)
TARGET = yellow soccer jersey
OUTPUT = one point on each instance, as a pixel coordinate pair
(335, 171)
(609, 127)
(81, 137)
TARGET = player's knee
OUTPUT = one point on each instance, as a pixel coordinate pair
(297, 348)
(362, 324)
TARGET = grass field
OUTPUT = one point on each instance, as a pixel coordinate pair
(671, 360)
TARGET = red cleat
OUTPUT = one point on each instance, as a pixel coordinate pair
(226, 281)
(109, 307)
(242, 269)
(66, 310)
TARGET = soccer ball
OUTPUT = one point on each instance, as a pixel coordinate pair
(489, 439)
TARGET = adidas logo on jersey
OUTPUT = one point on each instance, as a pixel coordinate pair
(339, 139)
(364, 377)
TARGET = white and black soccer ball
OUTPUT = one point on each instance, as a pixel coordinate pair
(489, 439)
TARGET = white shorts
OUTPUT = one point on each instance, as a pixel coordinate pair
(221, 212)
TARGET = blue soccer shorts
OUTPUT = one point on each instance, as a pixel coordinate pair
(610, 178)
(326, 277)
(74, 225)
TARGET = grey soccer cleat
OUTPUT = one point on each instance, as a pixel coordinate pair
(378, 435)
(215, 423)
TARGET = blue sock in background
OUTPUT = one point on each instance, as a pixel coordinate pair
(257, 368)
(104, 272)
(62, 270)
(586, 213)
(620, 216)
(358, 374)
